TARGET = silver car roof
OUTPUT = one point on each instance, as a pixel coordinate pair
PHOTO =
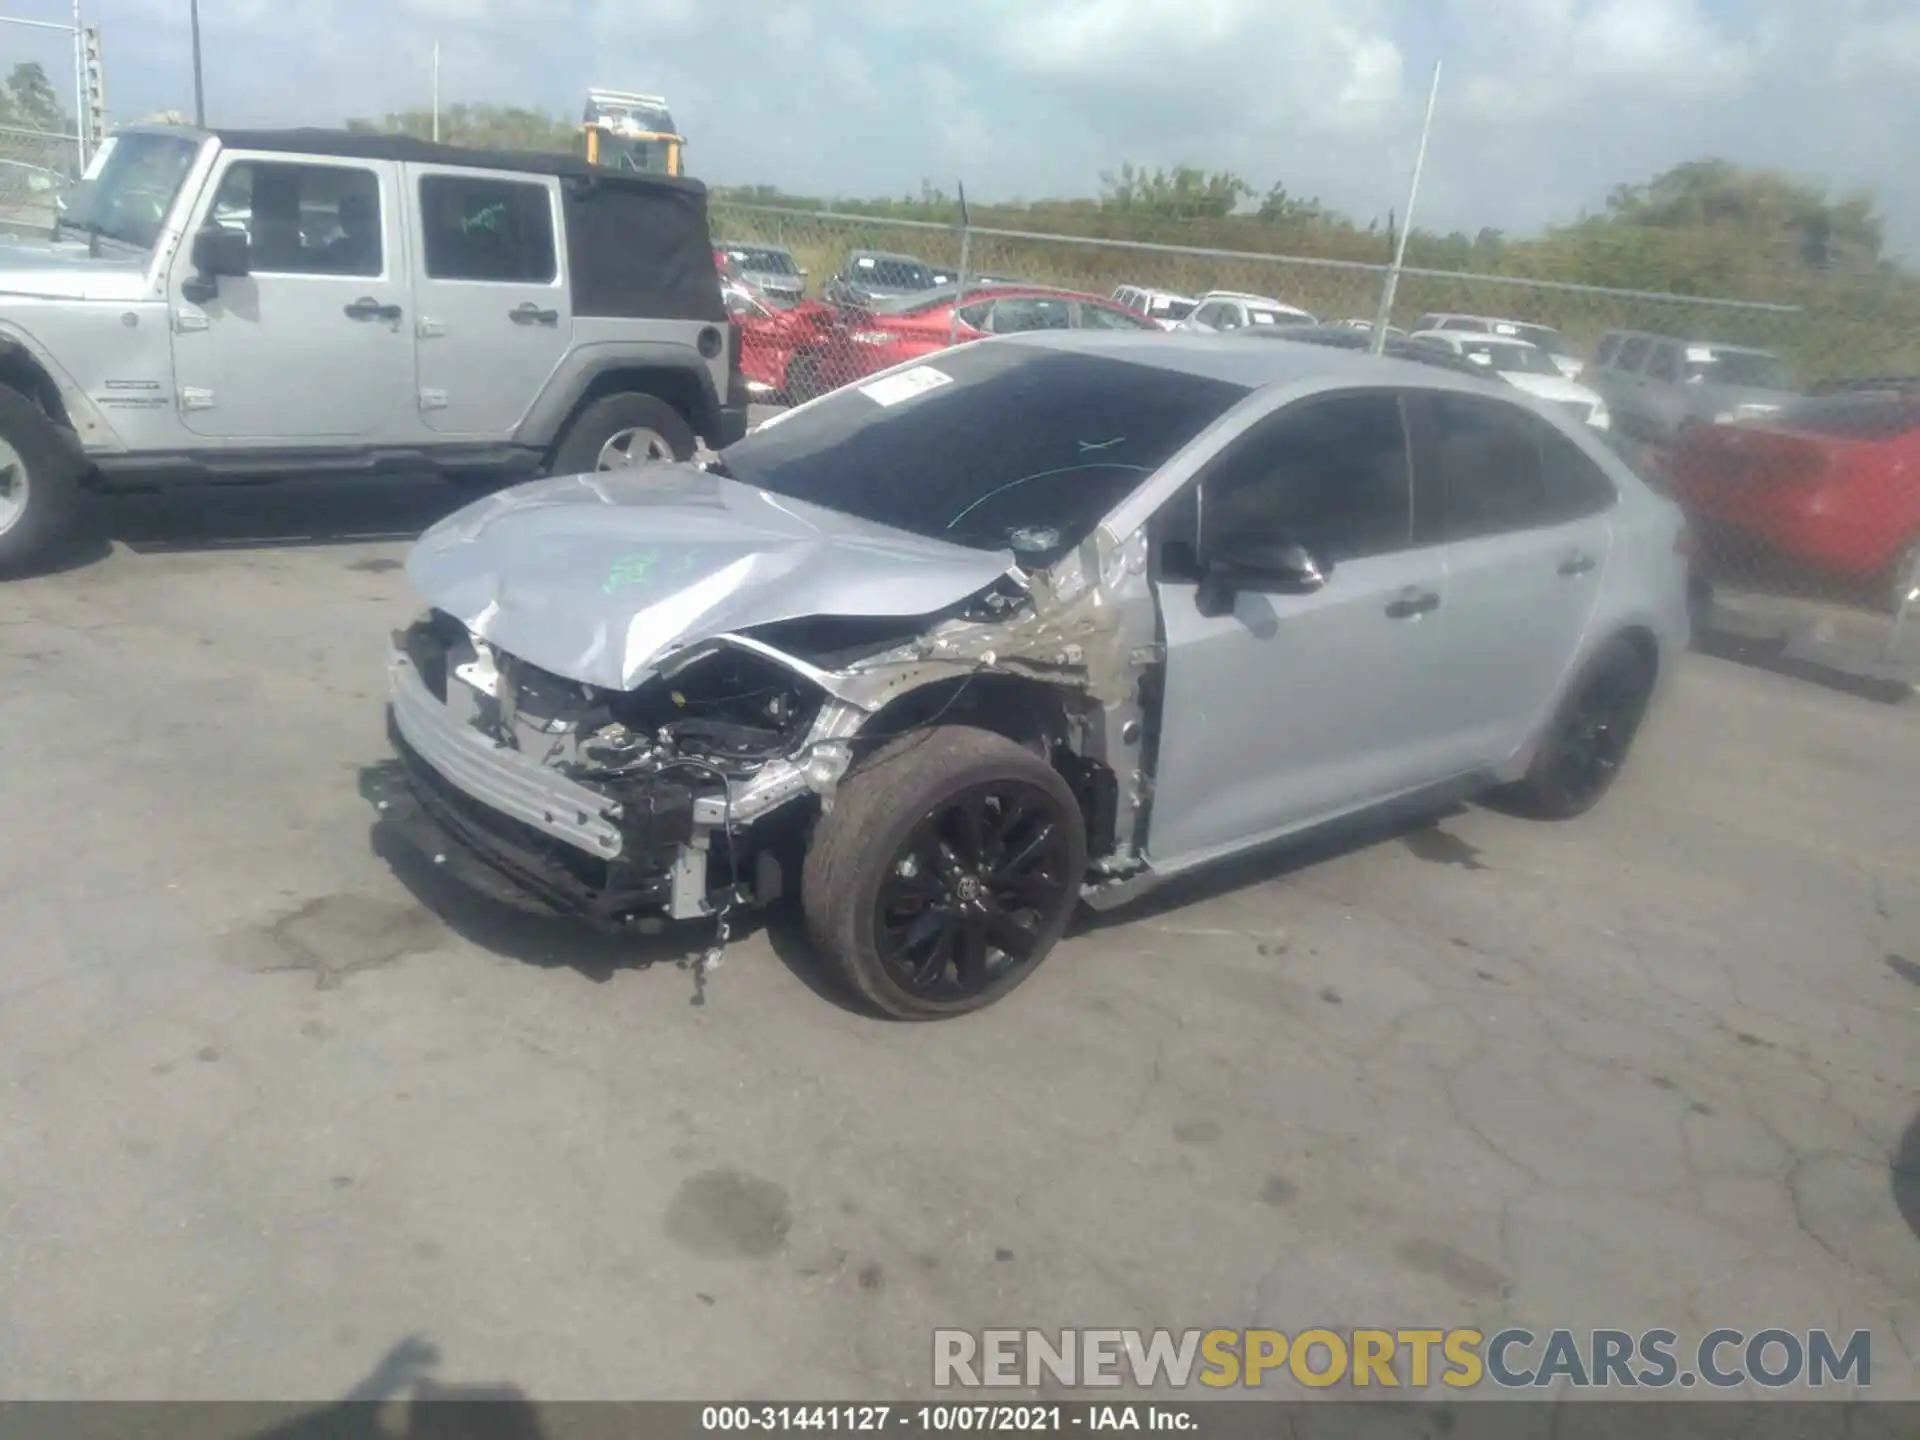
(1239, 361)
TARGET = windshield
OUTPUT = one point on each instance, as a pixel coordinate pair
(1752, 368)
(647, 157)
(765, 262)
(131, 189)
(1509, 359)
(1162, 307)
(997, 446)
(1277, 317)
(890, 272)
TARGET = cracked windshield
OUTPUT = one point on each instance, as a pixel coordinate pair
(1161, 740)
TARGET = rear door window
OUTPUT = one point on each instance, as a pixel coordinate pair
(1633, 353)
(1493, 469)
(478, 228)
(1035, 312)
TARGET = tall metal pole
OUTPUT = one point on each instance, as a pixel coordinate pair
(1381, 320)
(199, 89)
(436, 92)
(960, 286)
(80, 117)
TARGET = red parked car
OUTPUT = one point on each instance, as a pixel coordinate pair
(871, 340)
(1832, 483)
(769, 335)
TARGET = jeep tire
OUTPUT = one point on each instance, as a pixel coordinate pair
(39, 486)
(625, 424)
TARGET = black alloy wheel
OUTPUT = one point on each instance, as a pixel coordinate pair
(969, 897)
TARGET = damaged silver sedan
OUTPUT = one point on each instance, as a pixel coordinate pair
(1046, 619)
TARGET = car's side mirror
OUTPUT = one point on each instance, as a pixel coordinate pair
(217, 251)
(1279, 566)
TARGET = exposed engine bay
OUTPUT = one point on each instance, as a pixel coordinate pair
(694, 773)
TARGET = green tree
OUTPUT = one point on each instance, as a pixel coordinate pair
(483, 127)
(1787, 219)
(29, 102)
(1184, 192)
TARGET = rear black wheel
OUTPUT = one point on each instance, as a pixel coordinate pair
(1588, 742)
(945, 872)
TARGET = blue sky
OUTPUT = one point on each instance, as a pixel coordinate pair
(1545, 103)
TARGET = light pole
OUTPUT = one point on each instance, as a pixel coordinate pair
(199, 93)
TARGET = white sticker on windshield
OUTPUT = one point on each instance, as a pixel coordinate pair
(1699, 355)
(1505, 330)
(865, 262)
(1261, 317)
(906, 385)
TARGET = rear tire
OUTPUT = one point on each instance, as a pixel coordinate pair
(40, 499)
(653, 430)
(945, 872)
(1587, 743)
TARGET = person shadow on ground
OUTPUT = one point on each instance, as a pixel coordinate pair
(428, 1410)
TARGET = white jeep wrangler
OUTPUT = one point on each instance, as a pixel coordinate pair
(220, 305)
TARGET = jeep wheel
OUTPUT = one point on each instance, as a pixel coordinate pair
(39, 485)
(618, 432)
(947, 868)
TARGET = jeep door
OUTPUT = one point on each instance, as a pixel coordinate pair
(313, 345)
(490, 276)
(1291, 708)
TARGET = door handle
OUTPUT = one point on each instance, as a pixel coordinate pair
(532, 314)
(368, 308)
(1413, 603)
(1577, 564)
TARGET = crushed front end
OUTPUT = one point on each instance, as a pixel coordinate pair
(556, 796)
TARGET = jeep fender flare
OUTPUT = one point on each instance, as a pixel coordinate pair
(587, 370)
(28, 367)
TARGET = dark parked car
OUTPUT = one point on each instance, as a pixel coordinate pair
(871, 275)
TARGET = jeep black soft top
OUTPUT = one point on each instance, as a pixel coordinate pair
(637, 244)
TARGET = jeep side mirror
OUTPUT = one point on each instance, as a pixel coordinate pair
(1279, 566)
(218, 250)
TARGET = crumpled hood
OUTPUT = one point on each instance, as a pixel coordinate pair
(597, 577)
(43, 270)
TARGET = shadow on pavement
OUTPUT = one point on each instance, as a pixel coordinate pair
(281, 515)
(1853, 666)
(429, 1409)
(1414, 822)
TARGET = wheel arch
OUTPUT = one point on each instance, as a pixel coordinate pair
(674, 374)
(1053, 721)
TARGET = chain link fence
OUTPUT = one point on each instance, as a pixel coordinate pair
(1777, 425)
(36, 168)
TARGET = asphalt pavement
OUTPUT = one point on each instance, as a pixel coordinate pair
(277, 1107)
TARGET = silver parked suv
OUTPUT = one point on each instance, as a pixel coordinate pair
(1659, 385)
(1046, 617)
(237, 305)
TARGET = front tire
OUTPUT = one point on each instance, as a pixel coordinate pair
(39, 486)
(1588, 741)
(621, 432)
(945, 872)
